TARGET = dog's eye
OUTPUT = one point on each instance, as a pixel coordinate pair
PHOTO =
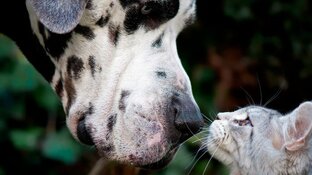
(145, 10)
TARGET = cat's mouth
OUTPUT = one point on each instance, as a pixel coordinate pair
(245, 122)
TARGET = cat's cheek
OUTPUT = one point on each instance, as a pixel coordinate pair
(240, 133)
(219, 130)
(277, 141)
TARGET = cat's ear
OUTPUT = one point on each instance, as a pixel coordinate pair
(299, 127)
(59, 16)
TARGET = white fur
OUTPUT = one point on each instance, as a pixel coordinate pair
(262, 148)
(131, 66)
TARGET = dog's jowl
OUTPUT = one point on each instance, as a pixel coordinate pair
(114, 64)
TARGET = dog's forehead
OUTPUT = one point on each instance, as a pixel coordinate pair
(132, 15)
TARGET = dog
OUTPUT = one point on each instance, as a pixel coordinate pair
(115, 67)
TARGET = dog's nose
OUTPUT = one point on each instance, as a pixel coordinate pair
(188, 118)
(83, 133)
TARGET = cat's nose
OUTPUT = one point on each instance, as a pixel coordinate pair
(188, 119)
(223, 116)
(217, 117)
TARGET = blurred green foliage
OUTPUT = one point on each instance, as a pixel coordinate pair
(235, 49)
(32, 122)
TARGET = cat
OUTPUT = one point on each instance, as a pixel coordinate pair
(255, 140)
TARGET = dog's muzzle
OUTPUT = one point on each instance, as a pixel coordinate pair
(183, 120)
(187, 119)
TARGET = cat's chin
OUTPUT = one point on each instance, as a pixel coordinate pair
(162, 163)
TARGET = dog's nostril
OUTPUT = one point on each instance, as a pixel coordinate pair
(82, 132)
(175, 111)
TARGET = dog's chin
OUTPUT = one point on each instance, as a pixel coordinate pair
(163, 162)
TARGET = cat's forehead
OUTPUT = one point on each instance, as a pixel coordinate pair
(249, 111)
(239, 115)
(260, 110)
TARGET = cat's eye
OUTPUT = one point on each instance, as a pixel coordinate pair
(245, 122)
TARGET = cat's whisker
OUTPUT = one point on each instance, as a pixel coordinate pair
(200, 139)
(210, 120)
(200, 148)
(273, 97)
(213, 141)
(189, 139)
(260, 90)
(249, 99)
(211, 157)
(193, 134)
(197, 161)
(214, 115)
(204, 131)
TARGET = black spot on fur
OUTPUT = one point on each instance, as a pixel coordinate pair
(84, 132)
(110, 125)
(132, 157)
(125, 3)
(161, 74)
(71, 93)
(109, 148)
(133, 19)
(160, 12)
(91, 62)
(111, 122)
(114, 33)
(42, 31)
(74, 67)
(158, 41)
(89, 111)
(191, 6)
(89, 5)
(55, 44)
(111, 4)
(123, 97)
(85, 32)
(59, 88)
(190, 20)
(103, 21)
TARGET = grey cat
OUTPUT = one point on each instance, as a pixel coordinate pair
(259, 141)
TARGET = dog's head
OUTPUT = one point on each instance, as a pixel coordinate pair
(119, 75)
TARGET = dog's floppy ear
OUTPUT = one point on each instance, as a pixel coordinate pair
(59, 16)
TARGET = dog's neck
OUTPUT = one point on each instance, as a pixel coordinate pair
(17, 27)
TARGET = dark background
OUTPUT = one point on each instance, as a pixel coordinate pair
(238, 52)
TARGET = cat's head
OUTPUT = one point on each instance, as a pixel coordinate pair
(255, 138)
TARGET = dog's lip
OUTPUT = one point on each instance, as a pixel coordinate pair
(162, 162)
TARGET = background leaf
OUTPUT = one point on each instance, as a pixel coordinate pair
(60, 146)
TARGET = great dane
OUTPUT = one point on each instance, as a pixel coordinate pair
(114, 64)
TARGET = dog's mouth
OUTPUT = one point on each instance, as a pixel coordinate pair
(162, 162)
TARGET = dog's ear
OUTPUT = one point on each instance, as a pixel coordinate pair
(59, 16)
